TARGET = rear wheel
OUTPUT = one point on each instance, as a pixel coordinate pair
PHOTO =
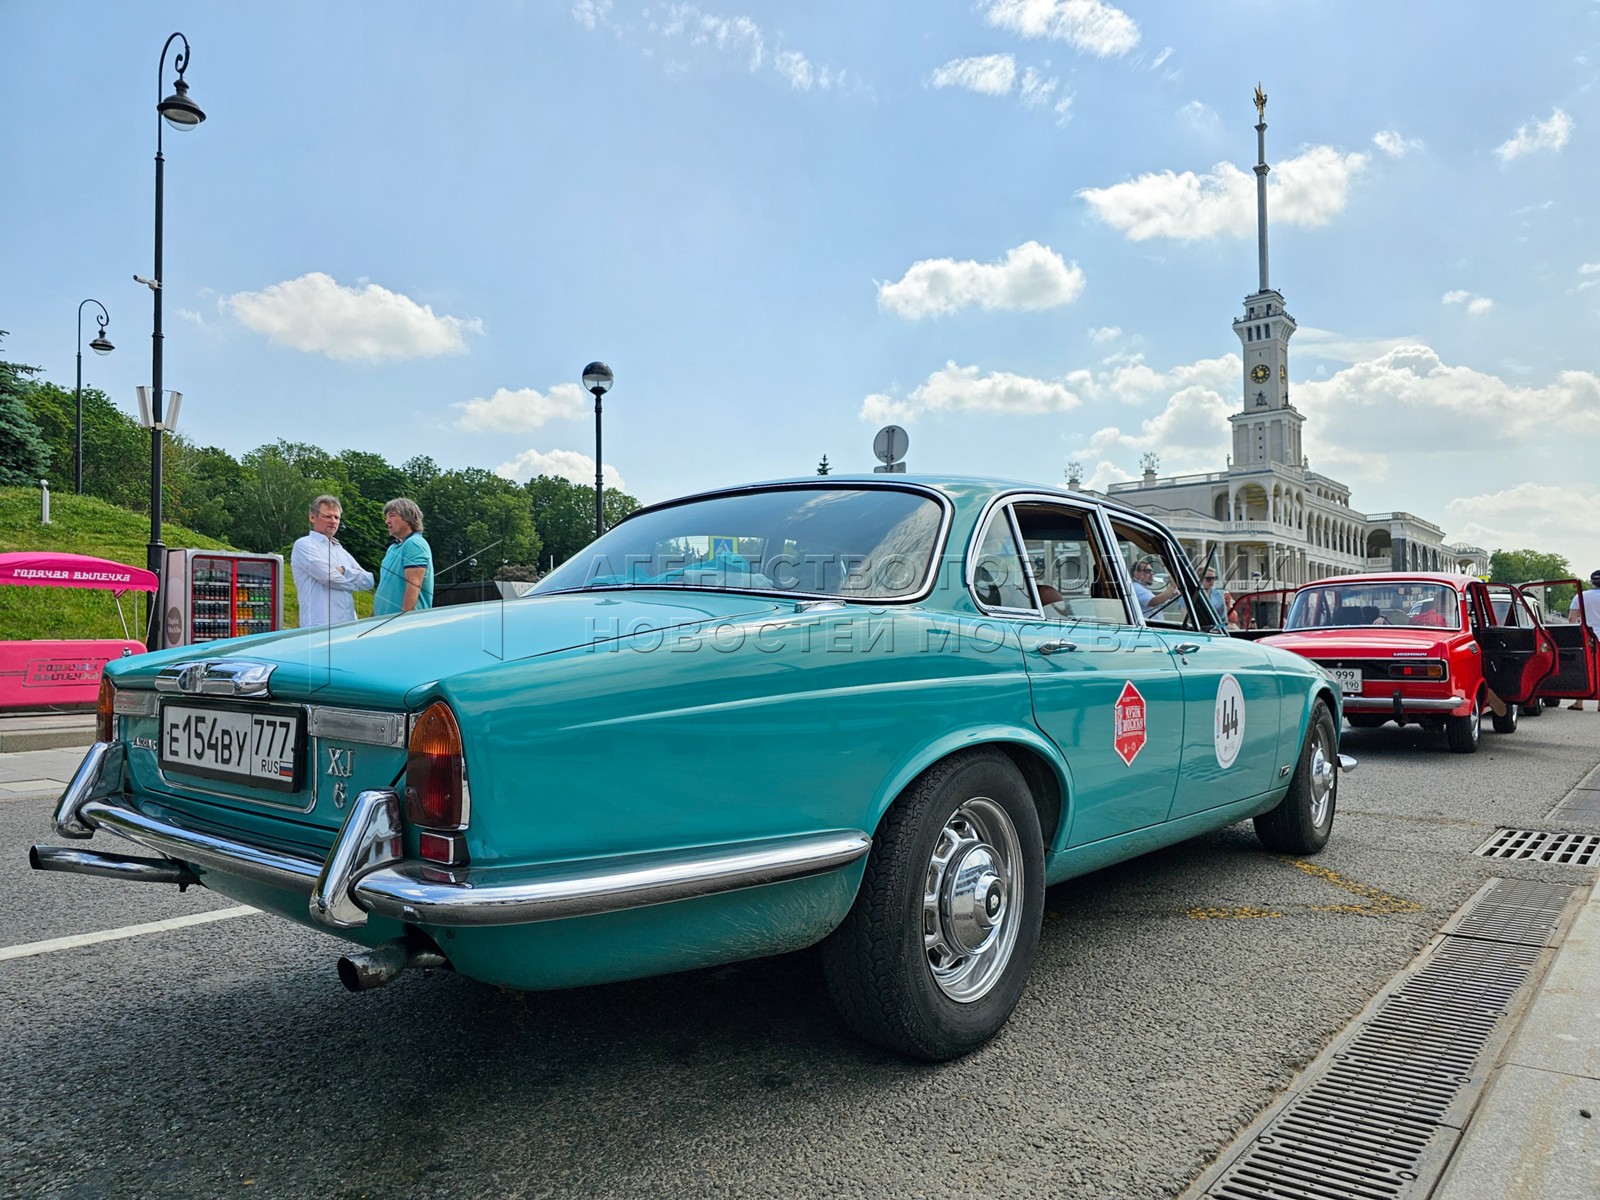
(1507, 723)
(1463, 732)
(1304, 818)
(1533, 707)
(933, 956)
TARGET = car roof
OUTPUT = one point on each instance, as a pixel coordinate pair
(1452, 581)
(958, 488)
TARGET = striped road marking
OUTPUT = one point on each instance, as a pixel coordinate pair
(127, 931)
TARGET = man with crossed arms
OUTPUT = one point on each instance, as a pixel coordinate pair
(326, 575)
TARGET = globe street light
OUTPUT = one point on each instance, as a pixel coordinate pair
(182, 114)
(597, 378)
(100, 346)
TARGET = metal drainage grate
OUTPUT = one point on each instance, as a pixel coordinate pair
(1565, 849)
(1364, 1121)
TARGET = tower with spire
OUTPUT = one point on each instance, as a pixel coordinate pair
(1266, 429)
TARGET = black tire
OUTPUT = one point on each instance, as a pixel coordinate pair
(1463, 732)
(935, 978)
(1304, 817)
(1533, 708)
(1365, 720)
(1507, 723)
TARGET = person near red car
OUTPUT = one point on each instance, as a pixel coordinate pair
(1590, 614)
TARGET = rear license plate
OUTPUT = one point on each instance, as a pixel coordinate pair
(262, 747)
(1349, 679)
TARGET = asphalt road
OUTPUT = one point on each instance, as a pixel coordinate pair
(1174, 998)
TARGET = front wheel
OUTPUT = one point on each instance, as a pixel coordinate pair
(933, 956)
(1304, 817)
(1463, 732)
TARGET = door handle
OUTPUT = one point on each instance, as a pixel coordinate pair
(1186, 648)
(1055, 647)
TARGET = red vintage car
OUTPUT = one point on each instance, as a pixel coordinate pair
(1428, 649)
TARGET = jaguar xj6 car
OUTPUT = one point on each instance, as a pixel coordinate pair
(882, 714)
(1431, 649)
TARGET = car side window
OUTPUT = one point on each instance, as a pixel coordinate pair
(1071, 566)
(1159, 587)
(996, 574)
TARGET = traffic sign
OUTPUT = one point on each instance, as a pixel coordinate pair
(891, 444)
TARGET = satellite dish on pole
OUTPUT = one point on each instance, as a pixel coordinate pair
(890, 447)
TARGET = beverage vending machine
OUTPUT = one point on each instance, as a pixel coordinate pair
(211, 594)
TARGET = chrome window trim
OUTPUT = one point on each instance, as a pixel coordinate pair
(980, 530)
(930, 579)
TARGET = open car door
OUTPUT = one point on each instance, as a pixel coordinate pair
(1256, 614)
(1577, 673)
(1518, 658)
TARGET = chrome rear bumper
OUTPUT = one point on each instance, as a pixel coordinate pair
(366, 871)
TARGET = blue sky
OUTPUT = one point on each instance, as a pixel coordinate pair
(1019, 228)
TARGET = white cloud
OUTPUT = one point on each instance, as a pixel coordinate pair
(1527, 516)
(570, 465)
(737, 37)
(1035, 90)
(1200, 117)
(1105, 333)
(518, 411)
(1477, 306)
(1311, 342)
(1087, 25)
(1395, 146)
(592, 13)
(1310, 190)
(1031, 277)
(963, 389)
(988, 74)
(1550, 134)
(315, 314)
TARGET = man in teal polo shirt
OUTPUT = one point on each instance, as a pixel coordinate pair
(405, 581)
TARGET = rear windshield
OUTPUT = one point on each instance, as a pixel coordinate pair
(848, 543)
(1431, 605)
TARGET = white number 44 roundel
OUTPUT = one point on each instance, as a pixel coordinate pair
(1228, 728)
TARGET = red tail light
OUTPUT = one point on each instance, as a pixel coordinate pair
(435, 784)
(105, 718)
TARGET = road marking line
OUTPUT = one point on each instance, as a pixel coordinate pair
(127, 931)
(1377, 902)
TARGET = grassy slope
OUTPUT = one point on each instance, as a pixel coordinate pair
(85, 525)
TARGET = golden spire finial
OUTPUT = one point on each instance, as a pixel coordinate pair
(1261, 104)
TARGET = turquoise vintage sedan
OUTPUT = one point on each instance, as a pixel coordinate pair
(879, 713)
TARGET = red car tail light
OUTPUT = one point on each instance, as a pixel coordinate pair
(105, 717)
(1417, 670)
(435, 774)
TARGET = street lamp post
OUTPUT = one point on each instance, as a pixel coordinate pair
(597, 378)
(100, 346)
(182, 114)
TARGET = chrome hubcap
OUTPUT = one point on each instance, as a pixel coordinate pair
(1322, 778)
(969, 924)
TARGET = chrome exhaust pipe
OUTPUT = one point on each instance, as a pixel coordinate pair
(364, 970)
(110, 866)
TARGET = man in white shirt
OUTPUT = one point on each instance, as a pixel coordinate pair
(1589, 602)
(326, 575)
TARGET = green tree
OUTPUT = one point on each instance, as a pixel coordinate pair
(24, 453)
(823, 468)
(1532, 566)
(276, 495)
(210, 488)
(116, 449)
(476, 522)
(1523, 566)
(419, 472)
(563, 514)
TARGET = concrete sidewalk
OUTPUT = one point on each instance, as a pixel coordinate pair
(1536, 1133)
(1534, 1136)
